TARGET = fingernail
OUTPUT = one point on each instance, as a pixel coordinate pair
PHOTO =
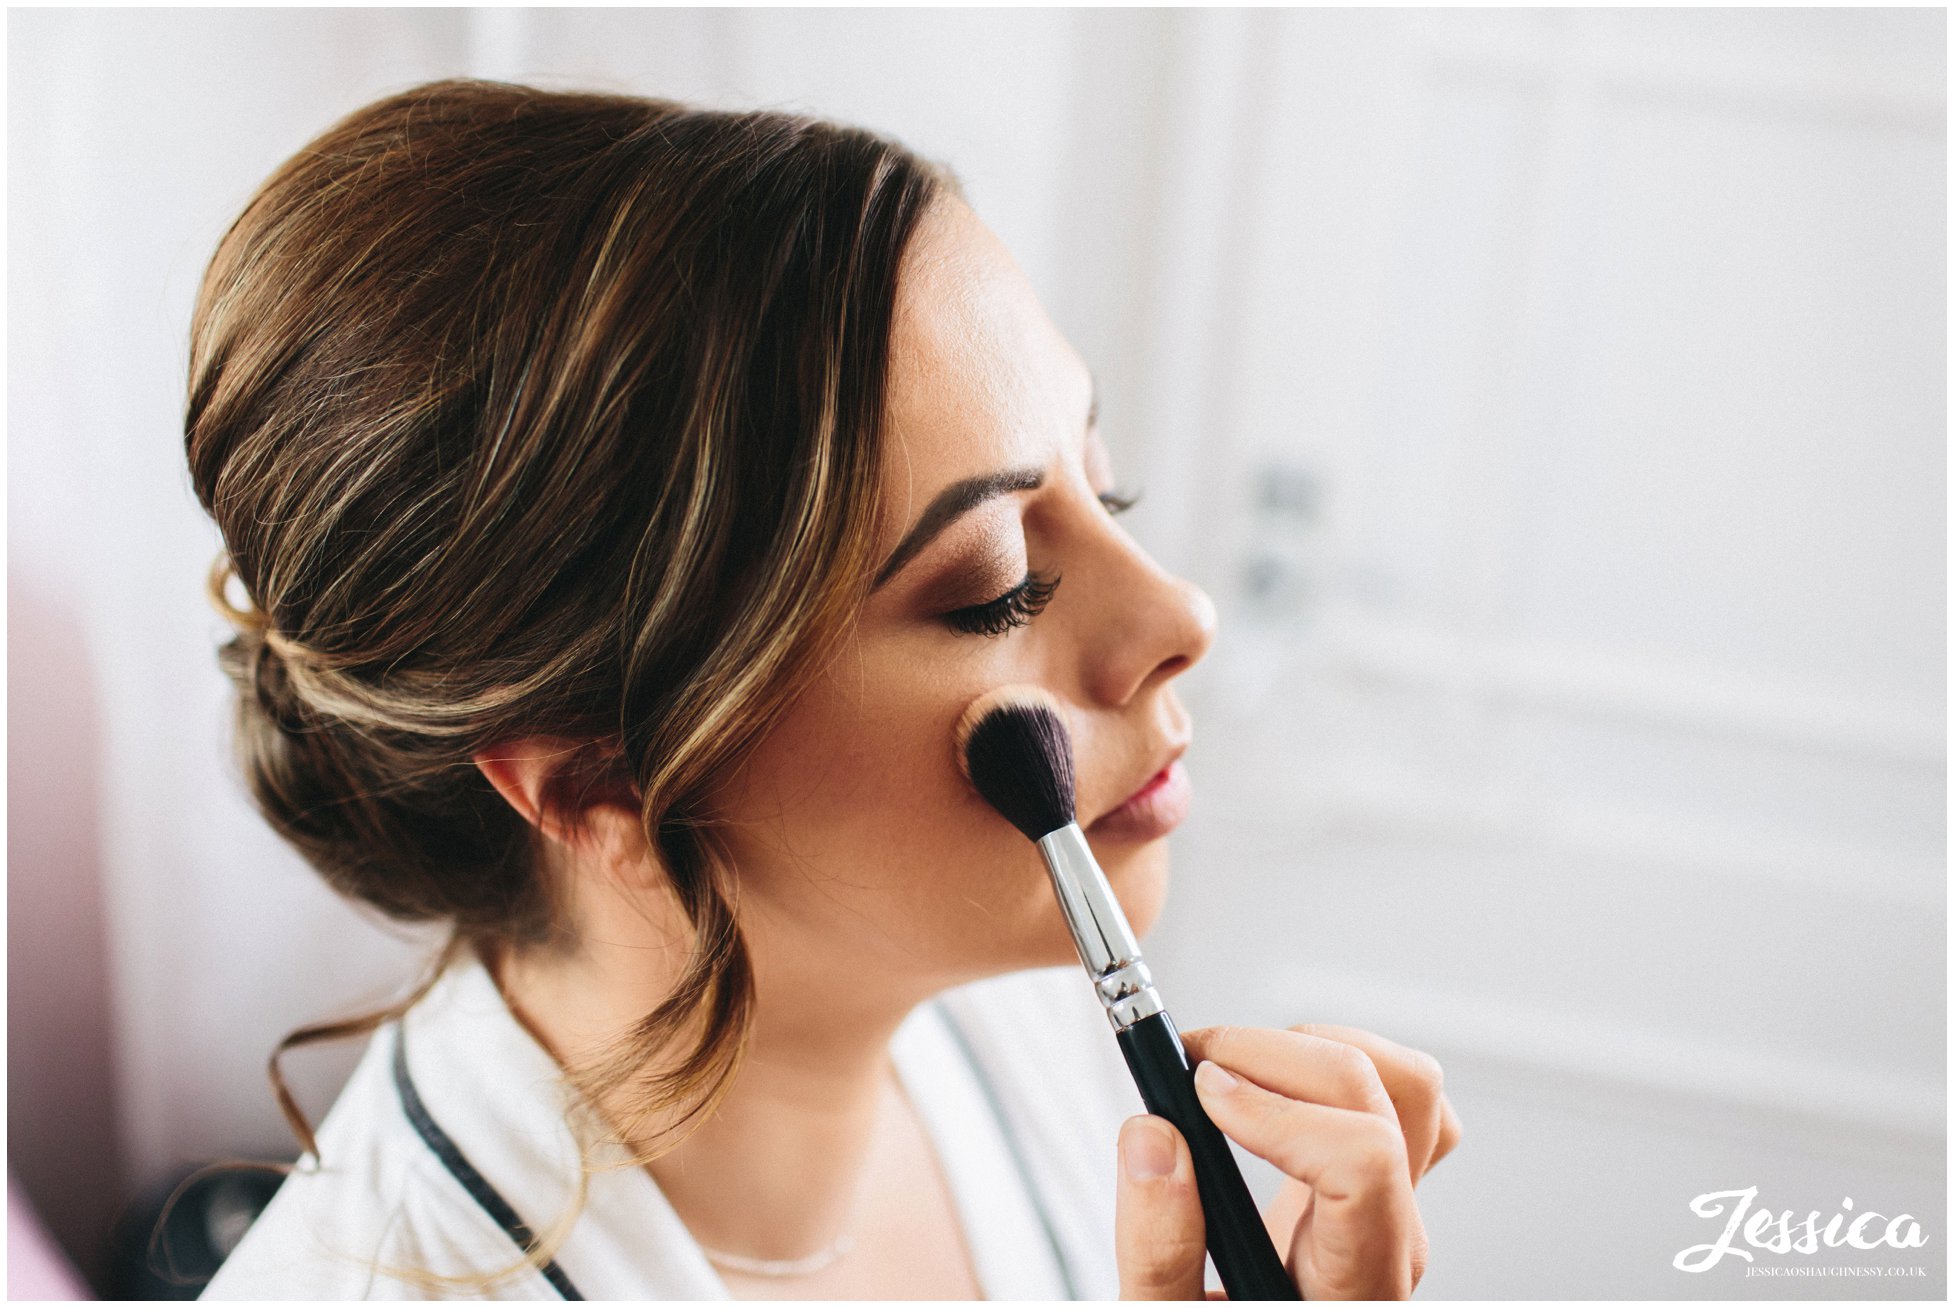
(1145, 1149)
(1214, 1078)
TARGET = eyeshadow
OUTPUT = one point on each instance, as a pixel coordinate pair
(977, 572)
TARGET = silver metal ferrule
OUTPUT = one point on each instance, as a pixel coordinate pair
(1099, 928)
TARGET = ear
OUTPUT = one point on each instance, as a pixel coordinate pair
(521, 770)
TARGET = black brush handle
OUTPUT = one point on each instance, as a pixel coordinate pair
(1243, 1254)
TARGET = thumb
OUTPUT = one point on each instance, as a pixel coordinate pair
(1158, 1229)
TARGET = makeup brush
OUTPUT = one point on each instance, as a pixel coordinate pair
(1013, 745)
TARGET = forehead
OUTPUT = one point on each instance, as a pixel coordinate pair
(980, 379)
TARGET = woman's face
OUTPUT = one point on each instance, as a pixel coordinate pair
(856, 837)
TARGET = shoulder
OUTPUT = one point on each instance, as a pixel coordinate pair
(1051, 1063)
(373, 1216)
(1044, 1038)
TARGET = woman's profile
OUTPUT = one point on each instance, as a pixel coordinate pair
(621, 503)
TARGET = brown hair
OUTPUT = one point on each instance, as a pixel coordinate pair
(542, 414)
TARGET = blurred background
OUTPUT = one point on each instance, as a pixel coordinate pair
(1552, 401)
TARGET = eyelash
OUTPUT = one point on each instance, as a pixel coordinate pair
(1013, 608)
(1026, 600)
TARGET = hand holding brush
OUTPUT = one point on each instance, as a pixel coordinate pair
(1352, 1119)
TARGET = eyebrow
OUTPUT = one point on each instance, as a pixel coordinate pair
(959, 497)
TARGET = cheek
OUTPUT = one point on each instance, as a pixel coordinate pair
(855, 831)
(852, 819)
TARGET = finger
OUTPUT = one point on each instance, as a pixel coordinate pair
(1297, 1064)
(1338, 1153)
(1160, 1236)
(1363, 1221)
(1284, 1211)
(1449, 1131)
(1413, 1079)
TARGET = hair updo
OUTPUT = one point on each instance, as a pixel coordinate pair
(543, 414)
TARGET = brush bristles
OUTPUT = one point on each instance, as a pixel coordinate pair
(1015, 749)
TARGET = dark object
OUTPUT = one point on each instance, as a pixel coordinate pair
(1244, 1257)
(1016, 751)
(169, 1248)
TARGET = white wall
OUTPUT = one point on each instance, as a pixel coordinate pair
(1553, 401)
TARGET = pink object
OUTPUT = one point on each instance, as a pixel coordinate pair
(36, 1267)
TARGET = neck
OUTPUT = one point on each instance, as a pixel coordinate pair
(773, 1171)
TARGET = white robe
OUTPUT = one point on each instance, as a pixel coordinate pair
(1035, 1200)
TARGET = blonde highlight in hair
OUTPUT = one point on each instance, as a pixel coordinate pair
(527, 413)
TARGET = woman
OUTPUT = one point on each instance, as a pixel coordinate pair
(621, 503)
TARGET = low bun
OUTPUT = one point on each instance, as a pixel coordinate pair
(373, 811)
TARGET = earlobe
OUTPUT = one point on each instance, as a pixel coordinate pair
(616, 835)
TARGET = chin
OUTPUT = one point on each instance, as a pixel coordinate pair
(1138, 875)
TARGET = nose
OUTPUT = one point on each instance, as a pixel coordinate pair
(1149, 625)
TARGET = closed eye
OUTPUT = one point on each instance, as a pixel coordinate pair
(1014, 608)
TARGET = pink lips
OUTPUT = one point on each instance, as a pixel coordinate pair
(1151, 811)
